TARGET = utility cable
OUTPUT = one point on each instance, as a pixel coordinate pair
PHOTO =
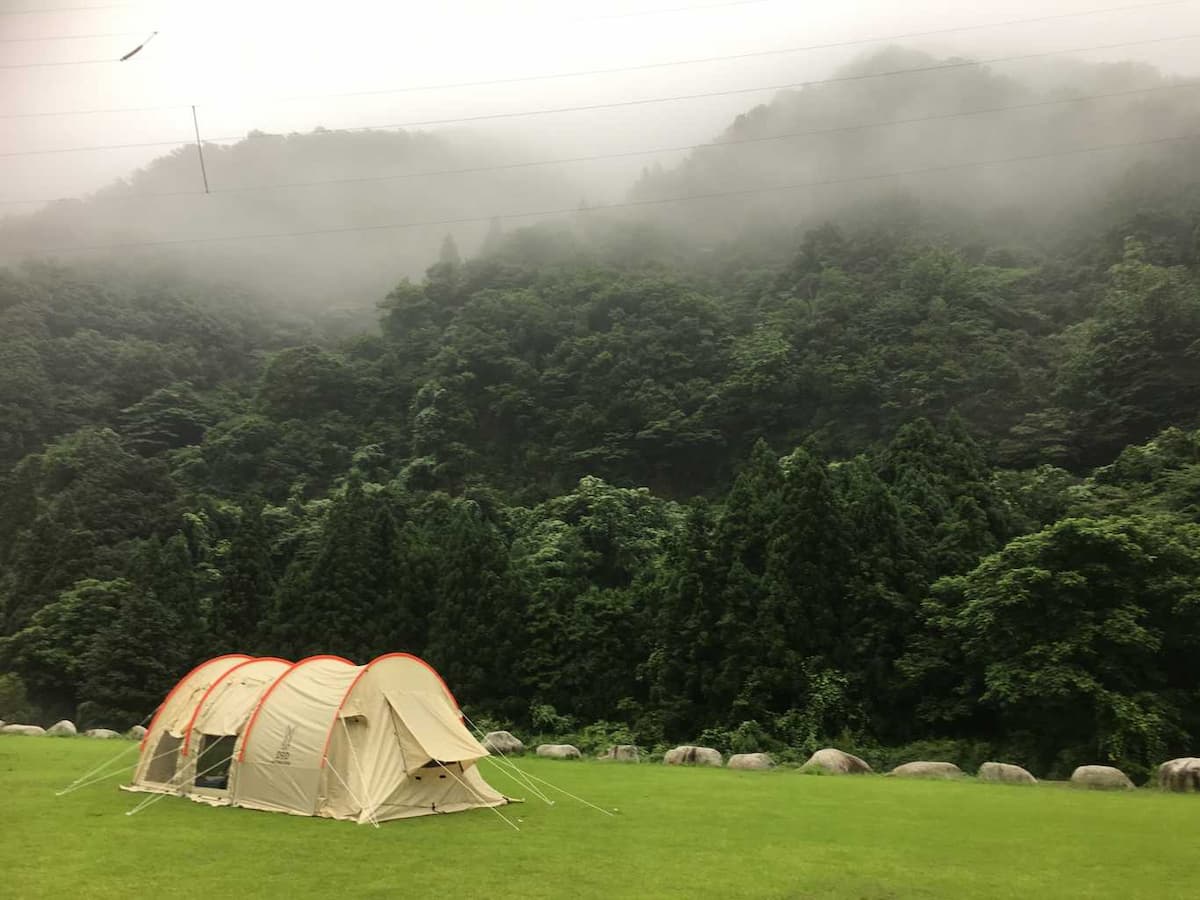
(792, 85)
(631, 204)
(624, 154)
(64, 9)
(684, 62)
(69, 37)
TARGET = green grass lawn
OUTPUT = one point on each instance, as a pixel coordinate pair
(678, 833)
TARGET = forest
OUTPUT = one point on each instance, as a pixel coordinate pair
(892, 473)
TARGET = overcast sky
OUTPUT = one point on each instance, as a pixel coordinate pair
(270, 65)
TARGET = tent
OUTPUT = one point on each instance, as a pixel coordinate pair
(320, 737)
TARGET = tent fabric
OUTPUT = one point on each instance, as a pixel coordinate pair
(319, 737)
(173, 714)
(434, 726)
(231, 700)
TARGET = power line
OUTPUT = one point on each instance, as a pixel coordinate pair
(619, 104)
(792, 85)
(714, 195)
(44, 65)
(670, 9)
(643, 67)
(69, 37)
(62, 9)
(72, 62)
(752, 54)
(90, 62)
(840, 129)
(112, 147)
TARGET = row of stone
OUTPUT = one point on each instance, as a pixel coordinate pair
(1176, 775)
(1181, 774)
(66, 728)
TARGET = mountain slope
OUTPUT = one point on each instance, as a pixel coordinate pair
(346, 186)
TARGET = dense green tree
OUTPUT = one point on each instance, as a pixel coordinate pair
(1135, 366)
(550, 472)
(79, 507)
(1081, 638)
(143, 649)
(802, 615)
(241, 608)
(167, 419)
(342, 599)
(740, 549)
(881, 591)
(475, 622)
(50, 653)
(940, 478)
(687, 649)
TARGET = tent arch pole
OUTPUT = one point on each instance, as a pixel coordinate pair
(187, 732)
(241, 753)
(434, 672)
(353, 684)
(179, 685)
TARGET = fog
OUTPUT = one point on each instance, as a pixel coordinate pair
(470, 83)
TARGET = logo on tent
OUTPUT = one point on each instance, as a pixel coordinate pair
(283, 754)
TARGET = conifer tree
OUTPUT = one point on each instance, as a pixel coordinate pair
(687, 647)
(331, 605)
(475, 624)
(740, 548)
(247, 584)
(802, 616)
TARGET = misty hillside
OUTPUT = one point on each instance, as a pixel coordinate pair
(847, 132)
(925, 468)
(320, 181)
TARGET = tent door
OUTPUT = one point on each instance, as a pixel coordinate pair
(346, 788)
(165, 759)
(212, 765)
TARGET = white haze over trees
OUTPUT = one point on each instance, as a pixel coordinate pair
(271, 80)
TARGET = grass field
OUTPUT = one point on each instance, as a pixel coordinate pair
(678, 833)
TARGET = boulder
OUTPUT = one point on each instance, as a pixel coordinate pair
(136, 733)
(1181, 774)
(750, 761)
(693, 756)
(502, 742)
(621, 753)
(65, 728)
(1006, 773)
(1101, 778)
(104, 734)
(31, 730)
(836, 762)
(558, 751)
(927, 770)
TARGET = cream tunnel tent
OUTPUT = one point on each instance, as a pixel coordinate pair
(321, 737)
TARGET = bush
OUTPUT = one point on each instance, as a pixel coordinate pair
(967, 755)
(545, 717)
(486, 722)
(599, 736)
(14, 701)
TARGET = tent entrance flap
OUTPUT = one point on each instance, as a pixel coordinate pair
(434, 726)
(165, 759)
(216, 755)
